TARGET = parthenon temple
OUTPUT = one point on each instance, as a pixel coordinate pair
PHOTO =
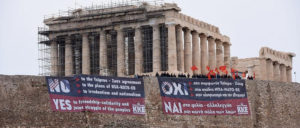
(131, 39)
(270, 65)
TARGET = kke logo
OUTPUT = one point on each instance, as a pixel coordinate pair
(174, 88)
(138, 108)
(57, 85)
(242, 109)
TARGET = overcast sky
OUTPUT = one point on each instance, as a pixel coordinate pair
(251, 24)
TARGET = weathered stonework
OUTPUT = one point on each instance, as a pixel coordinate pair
(85, 23)
(270, 65)
(25, 103)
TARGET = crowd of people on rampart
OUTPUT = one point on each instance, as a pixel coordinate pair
(166, 74)
(217, 73)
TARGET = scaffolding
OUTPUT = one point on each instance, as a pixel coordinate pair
(164, 47)
(44, 57)
(76, 45)
(111, 40)
(147, 42)
(44, 43)
(77, 53)
(113, 5)
(94, 53)
(61, 55)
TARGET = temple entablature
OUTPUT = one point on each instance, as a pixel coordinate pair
(270, 65)
(277, 56)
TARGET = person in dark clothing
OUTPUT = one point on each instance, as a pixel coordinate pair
(157, 75)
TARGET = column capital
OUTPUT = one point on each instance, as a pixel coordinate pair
(155, 25)
(210, 38)
(178, 26)
(52, 37)
(84, 34)
(218, 41)
(226, 43)
(185, 29)
(203, 35)
(138, 28)
(194, 32)
(119, 29)
(269, 60)
(102, 32)
(68, 39)
(170, 24)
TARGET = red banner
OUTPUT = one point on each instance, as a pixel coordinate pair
(97, 94)
(203, 96)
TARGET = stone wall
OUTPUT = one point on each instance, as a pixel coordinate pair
(24, 102)
(251, 65)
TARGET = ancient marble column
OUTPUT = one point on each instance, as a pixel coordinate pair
(263, 69)
(283, 73)
(196, 52)
(219, 53)
(85, 54)
(269, 69)
(103, 53)
(172, 54)
(180, 51)
(276, 72)
(156, 49)
(211, 53)
(138, 48)
(54, 57)
(68, 57)
(289, 74)
(187, 51)
(120, 53)
(226, 46)
(204, 60)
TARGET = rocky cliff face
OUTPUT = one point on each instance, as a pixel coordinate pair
(24, 102)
